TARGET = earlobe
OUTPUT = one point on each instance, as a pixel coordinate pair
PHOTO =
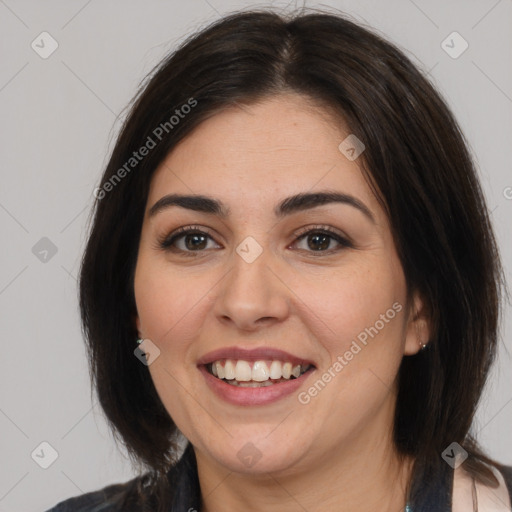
(418, 329)
(137, 324)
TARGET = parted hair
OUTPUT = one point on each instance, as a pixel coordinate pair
(417, 163)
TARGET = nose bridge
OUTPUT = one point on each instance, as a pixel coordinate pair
(250, 275)
(250, 267)
(251, 291)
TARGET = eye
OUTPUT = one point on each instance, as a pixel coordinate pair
(320, 239)
(188, 239)
(194, 239)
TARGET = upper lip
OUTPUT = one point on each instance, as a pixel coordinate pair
(254, 354)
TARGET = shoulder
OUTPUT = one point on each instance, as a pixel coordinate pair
(179, 490)
(495, 499)
(111, 498)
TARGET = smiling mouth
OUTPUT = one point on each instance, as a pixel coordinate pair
(256, 374)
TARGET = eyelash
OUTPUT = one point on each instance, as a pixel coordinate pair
(166, 243)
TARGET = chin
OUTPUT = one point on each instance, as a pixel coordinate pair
(258, 456)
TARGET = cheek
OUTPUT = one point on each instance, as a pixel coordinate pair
(170, 304)
(365, 302)
(363, 314)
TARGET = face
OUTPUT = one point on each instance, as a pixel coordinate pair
(262, 275)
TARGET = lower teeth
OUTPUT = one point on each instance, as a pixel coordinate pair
(254, 384)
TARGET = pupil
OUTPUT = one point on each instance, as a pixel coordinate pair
(321, 240)
(195, 242)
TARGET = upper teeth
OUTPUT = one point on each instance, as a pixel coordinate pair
(242, 371)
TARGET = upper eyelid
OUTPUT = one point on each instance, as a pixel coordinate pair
(320, 227)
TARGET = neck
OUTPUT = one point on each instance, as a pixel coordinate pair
(364, 474)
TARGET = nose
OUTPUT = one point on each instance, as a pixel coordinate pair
(252, 295)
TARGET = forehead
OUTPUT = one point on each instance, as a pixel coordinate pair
(259, 153)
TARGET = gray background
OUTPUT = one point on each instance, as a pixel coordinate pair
(59, 118)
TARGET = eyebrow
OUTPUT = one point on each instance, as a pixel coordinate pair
(292, 204)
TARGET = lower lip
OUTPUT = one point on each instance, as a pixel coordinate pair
(252, 396)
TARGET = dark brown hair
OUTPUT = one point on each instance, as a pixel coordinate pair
(416, 161)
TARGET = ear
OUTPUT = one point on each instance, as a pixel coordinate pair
(418, 329)
(138, 325)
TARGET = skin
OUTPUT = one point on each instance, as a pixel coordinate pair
(335, 452)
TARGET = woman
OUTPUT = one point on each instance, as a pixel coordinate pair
(292, 265)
